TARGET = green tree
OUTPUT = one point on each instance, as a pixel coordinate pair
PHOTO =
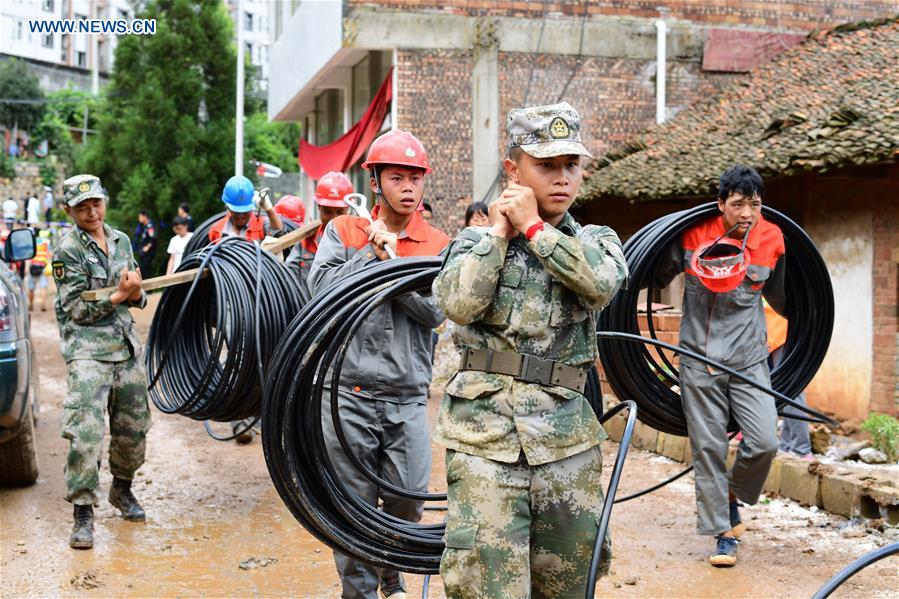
(271, 142)
(166, 132)
(18, 83)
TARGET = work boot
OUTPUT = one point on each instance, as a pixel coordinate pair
(83, 529)
(737, 527)
(725, 552)
(121, 497)
(392, 585)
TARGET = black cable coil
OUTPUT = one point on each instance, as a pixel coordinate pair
(209, 342)
(297, 455)
(634, 373)
(200, 238)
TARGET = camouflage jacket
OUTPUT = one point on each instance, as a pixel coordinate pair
(533, 297)
(93, 330)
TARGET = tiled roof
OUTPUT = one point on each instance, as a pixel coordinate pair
(830, 102)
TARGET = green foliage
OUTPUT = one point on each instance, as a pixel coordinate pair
(18, 83)
(66, 110)
(884, 431)
(274, 143)
(48, 173)
(7, 167)
(166, 131)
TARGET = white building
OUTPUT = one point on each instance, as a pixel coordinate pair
(255, 23)
(57, 49)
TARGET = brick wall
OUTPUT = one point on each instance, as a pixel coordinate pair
(885, 372)
(802, 15)
(434, 103)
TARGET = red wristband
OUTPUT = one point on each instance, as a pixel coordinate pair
(532, 230)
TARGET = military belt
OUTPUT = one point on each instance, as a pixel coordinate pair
(524, 367)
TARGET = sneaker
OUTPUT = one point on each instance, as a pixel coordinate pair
(725, 552)
(737, 527)
(392, 585)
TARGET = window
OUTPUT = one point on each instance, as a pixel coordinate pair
(80, 17)
(47, 40)
(248, 21)
(278, 20)
(81, 59)
(19, 30)
(248, 49)
(328, 116)
(368, 74)
(123, 14)
(48, 5)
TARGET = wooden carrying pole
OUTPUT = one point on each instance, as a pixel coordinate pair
(275, 246)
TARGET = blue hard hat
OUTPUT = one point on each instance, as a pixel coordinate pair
(238, 194)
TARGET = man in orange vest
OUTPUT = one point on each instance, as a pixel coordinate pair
(240, 220)
(730, 260)
(384, 382)
(241, 199)
(329, 194)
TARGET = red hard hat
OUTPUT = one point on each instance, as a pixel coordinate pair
(291, 207)
(721, 264)
(399, 148)
(331, 190)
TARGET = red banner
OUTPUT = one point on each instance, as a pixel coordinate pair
(343, 153)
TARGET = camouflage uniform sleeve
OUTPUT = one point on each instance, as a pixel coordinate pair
(466, 284)
(591, 264)
(69, 286)
(132, 265)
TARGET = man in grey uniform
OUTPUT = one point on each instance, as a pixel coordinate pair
(385, 378)
(723, 319)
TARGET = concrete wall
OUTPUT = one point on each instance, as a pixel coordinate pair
(845, 240)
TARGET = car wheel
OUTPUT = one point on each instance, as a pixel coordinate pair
(18, 457)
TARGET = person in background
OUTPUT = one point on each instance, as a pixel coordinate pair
(177, 244)
(476, 215)
(10, 211)
(427, 212)
(47, 204)
(794, 435)
(184, 212)
(146, 245)
(33, 210)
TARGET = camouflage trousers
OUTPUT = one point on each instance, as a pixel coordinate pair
(515, 530)
(95, 388)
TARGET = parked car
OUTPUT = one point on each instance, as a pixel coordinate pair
(18, 458)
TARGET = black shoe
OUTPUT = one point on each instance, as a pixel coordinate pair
(725, 552)
(120, 496)
(248, 433)
(83, 529)
(392, 585)
(737, 527)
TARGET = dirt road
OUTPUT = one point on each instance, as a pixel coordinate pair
(211, 507)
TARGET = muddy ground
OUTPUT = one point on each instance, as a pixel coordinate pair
(211, 507)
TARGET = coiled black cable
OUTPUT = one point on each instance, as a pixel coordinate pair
(209, 342)
(634, 373)
(200, 238)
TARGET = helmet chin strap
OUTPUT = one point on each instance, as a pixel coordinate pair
(380, 193)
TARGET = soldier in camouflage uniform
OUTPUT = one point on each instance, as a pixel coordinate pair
(523, 463)
(103, 357)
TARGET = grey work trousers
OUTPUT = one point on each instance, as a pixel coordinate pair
(392, 440)
(709, 402)
(794, 435)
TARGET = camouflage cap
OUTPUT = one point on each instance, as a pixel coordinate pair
(546, 131)
(81, 187)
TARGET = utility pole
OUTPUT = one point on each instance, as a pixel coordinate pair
(238, 125)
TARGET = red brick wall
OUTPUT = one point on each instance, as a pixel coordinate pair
(885, 375)
(803, 15)
(434, 104)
